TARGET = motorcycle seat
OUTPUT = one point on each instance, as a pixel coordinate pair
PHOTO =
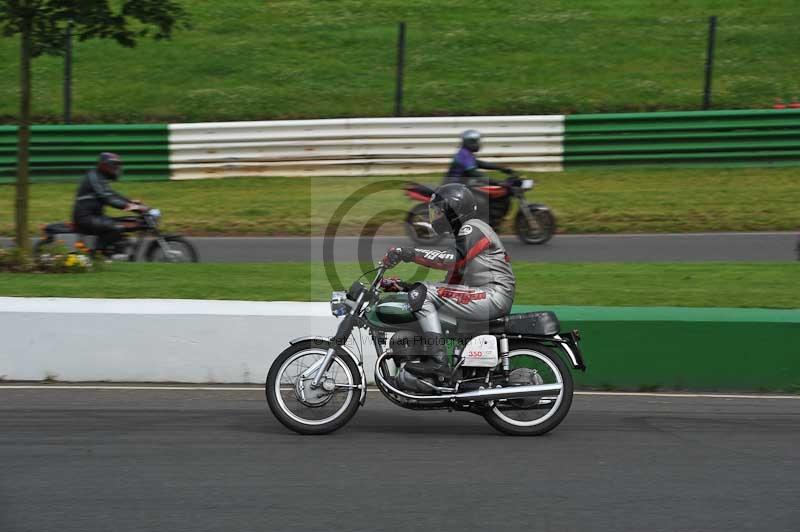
(60, 228)
(540, 323)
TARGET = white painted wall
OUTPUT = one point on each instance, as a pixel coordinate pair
(153, 340)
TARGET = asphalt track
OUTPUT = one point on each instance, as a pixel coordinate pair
(673, 247)
(200, 460)
(563, 248)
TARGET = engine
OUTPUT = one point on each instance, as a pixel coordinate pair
(406, 345)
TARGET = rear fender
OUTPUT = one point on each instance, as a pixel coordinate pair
(327, 340)
(567, 342)
(570, 346)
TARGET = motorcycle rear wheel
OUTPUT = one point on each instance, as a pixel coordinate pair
(526, 417)
(540, 231)
(316, 411)
(418, 214)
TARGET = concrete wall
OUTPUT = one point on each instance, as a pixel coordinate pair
(150, 340)
(235, 341)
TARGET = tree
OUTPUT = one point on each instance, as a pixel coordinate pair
(42, 24)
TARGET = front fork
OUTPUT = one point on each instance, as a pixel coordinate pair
(525, 210)
(342, 334)
(162, 242)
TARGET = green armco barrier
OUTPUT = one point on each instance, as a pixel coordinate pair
(703, 138)
(686, 348)
(63, 153)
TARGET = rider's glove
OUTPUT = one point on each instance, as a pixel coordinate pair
(507, 171)
(394, 256)
(393, 284)
(137, 207)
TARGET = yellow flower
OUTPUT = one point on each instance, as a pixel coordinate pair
(72, 260)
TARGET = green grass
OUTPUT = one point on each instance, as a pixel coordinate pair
(249, 59)
(611, 200)
(768, 285)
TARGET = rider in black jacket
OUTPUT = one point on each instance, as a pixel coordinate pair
(94, 193)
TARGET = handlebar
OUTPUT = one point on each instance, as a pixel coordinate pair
(381, 271)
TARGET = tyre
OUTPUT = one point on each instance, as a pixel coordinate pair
(308, 411)
(539, 230)
(533, 363)
(421, 233)
(180, 250)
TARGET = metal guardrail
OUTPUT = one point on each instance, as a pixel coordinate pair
(704, 138)
(362, 146)
(396, 146)
(63, 153)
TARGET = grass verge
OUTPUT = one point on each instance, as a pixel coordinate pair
(765, 285)
(608, 200)
(249, 59)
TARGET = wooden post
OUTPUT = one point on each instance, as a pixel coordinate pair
(24, 133)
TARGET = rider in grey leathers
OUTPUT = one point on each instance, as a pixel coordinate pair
(480, 283)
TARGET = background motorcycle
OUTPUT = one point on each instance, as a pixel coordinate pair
(533, 224)
(163, 247)
(510, 370)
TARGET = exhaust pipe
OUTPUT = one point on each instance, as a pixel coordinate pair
(509, 392)
(488, 394)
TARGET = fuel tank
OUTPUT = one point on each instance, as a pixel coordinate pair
(393, 312)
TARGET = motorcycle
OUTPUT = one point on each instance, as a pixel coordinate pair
(162, 248)
(534, 223)
(514, 371)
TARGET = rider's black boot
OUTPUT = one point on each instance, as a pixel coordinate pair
(436, 361)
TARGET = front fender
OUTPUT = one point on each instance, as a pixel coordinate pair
(327, 339)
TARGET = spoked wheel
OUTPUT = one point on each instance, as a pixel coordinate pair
(418, 226)
(178, 250)
(533, 364)
(307, 410)
(536, 230)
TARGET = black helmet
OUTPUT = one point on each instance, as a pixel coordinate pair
(110, 165)
(451, 205)
(471, 140)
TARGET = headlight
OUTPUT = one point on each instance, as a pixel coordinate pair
(339, 304)
(527, 184)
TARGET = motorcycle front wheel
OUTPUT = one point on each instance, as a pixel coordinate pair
(538, 230)
(180, 250)
(306, 410)
(418, 226)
